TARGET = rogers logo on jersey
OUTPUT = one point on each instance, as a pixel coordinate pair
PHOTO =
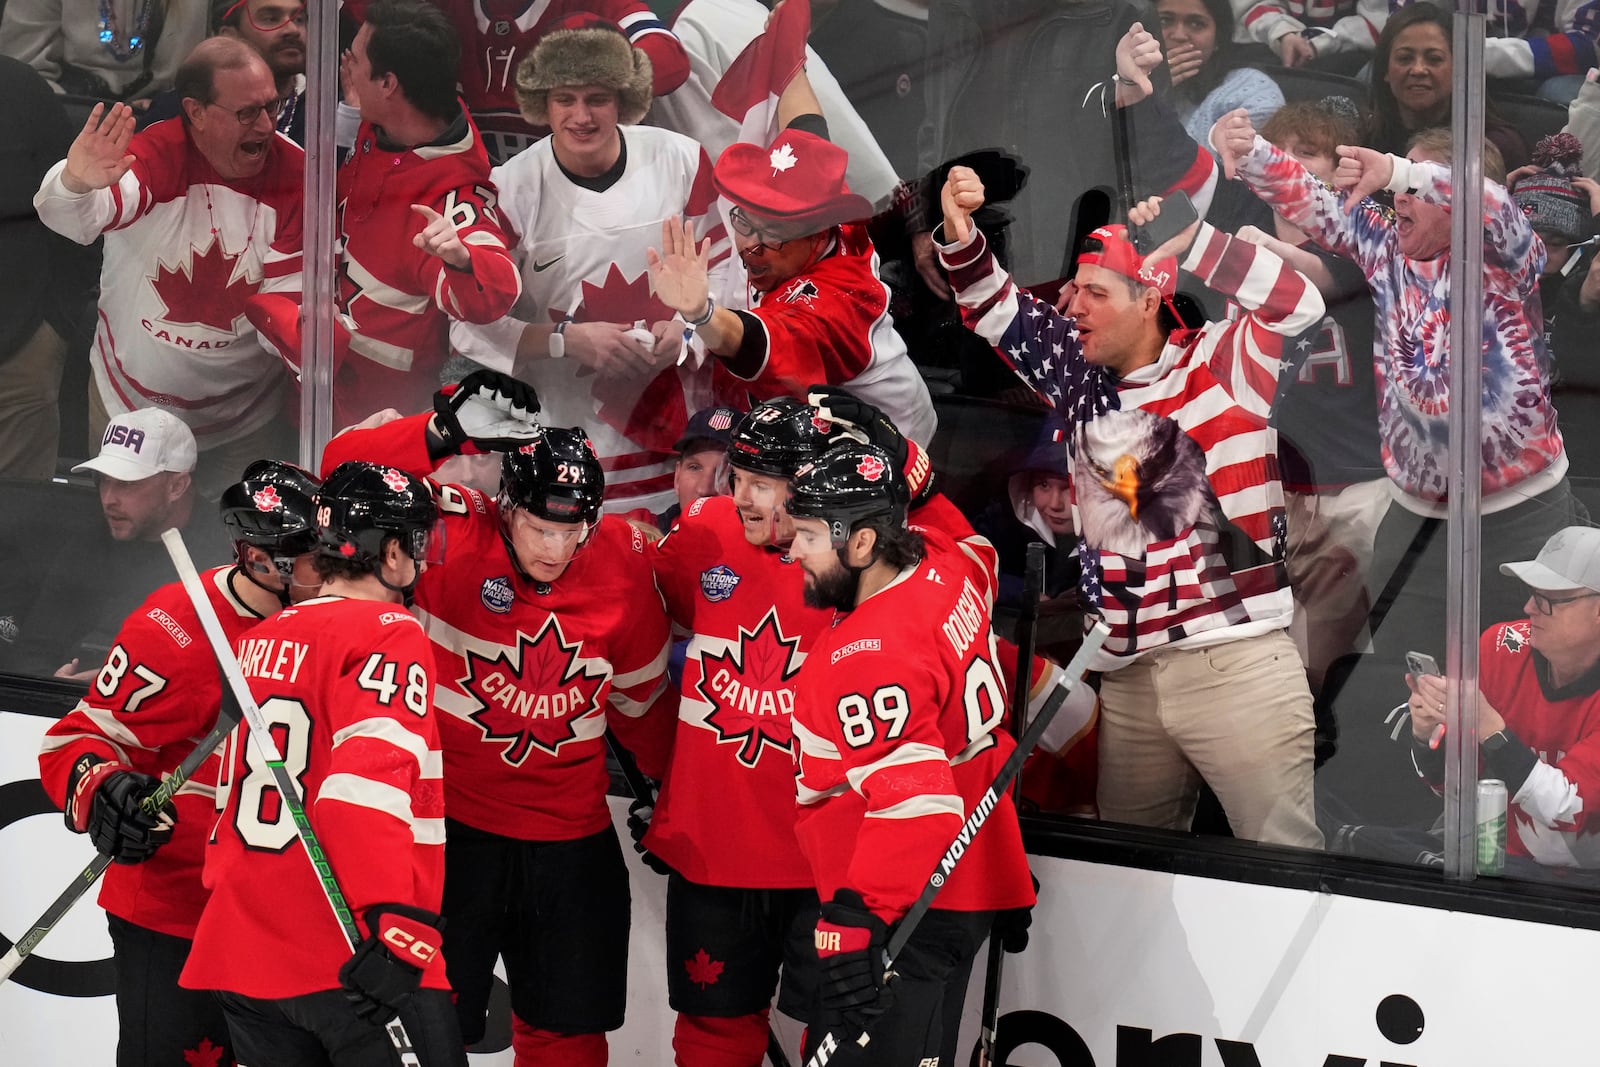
(747, 690)
(719, 582)
(533, 696)
(866, 644)
(497, 595)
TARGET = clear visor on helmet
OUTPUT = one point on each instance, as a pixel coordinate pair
(545, 540)
(427, 546)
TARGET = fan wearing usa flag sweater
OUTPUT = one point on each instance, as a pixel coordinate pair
(1178, 505)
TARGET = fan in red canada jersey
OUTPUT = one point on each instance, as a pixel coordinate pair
(546, 629)
(156, 696)
(899, 737)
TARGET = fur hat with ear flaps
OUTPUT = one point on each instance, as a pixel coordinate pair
(586, 50)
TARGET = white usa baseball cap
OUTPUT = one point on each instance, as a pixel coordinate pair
(1569, 560)
(142, 444)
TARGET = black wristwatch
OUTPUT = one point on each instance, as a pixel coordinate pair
(1495, 742)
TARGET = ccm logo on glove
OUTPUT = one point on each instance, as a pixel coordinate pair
(410, 943)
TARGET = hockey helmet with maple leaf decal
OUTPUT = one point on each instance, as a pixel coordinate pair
(777, 438)
(271, 509)
(556, 476)
(362, 505)
(853, 483)
(797, 181)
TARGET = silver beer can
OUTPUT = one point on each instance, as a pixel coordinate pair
(1491, 828)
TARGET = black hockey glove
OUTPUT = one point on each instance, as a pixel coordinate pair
(486, 412)
(1011, 926)
(858, 420)
(639, 814)
(850, 942)
(387, 967)
(104, 800)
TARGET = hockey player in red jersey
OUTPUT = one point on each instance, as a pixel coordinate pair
(898, 732)
(156, 696)
(546, 627)
(420, 240)
(739, 893)
(345, 679)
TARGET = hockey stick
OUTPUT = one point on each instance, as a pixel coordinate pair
(639, 785)
(288, 791)
(151, 805)
(829, 1043)
(1032, 589)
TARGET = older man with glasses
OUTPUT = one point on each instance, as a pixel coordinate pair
(199, 213)
(1538, 705)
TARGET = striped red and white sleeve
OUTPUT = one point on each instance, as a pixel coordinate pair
(1245, 355)
(383, 795)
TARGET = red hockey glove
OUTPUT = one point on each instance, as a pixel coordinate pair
(858, 420)
(850, 941)
(104, 800)
(486, 412)
(387, 967)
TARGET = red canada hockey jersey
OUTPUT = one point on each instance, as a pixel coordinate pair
(346, 685)
(734, 748)
(184, 249)
(396, 299)
(832, 324)
(898, 716)
(531, 674)
(156, 696)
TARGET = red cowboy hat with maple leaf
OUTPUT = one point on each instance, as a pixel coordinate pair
(798, 180)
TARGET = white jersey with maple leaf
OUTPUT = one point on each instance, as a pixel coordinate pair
(184, 249)
(582, 258)
(531, 674)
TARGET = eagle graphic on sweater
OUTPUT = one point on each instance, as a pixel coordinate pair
(1140, 480)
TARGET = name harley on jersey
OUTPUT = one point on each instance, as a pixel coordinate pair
(745, 688)
(534, 695)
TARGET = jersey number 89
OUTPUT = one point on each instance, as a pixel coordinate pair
(889, 705)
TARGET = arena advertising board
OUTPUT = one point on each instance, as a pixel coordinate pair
(1126, 968)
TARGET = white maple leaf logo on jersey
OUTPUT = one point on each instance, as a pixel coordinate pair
(395, 480)
(783, 158)
(533, 695)
(267, 499)
(748, 690)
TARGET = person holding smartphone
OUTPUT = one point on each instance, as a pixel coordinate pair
(1177, 501)
(1538, 705)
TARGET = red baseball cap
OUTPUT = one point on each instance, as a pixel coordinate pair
(1110, 248)
(799, 179)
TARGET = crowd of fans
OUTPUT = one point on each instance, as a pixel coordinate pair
(661, 214)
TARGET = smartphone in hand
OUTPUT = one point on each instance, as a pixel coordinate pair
(1421, 663)
(1177, 214)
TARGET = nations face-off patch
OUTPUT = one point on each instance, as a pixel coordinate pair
(718, 583)
(497, 595)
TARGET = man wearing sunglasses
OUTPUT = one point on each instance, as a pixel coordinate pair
(199, 213)
(1538, 705)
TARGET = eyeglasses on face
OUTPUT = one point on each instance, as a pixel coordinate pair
(1546, 604)
(248, 115)
(270, 17)
(745, 228)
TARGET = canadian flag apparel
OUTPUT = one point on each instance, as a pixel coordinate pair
(184, 249)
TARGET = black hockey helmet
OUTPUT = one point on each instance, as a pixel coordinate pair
(778, 437)
(556, 476)
(362, 505)
(271, 508)
(850, 484)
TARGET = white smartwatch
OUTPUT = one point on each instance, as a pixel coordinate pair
(558, 339)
